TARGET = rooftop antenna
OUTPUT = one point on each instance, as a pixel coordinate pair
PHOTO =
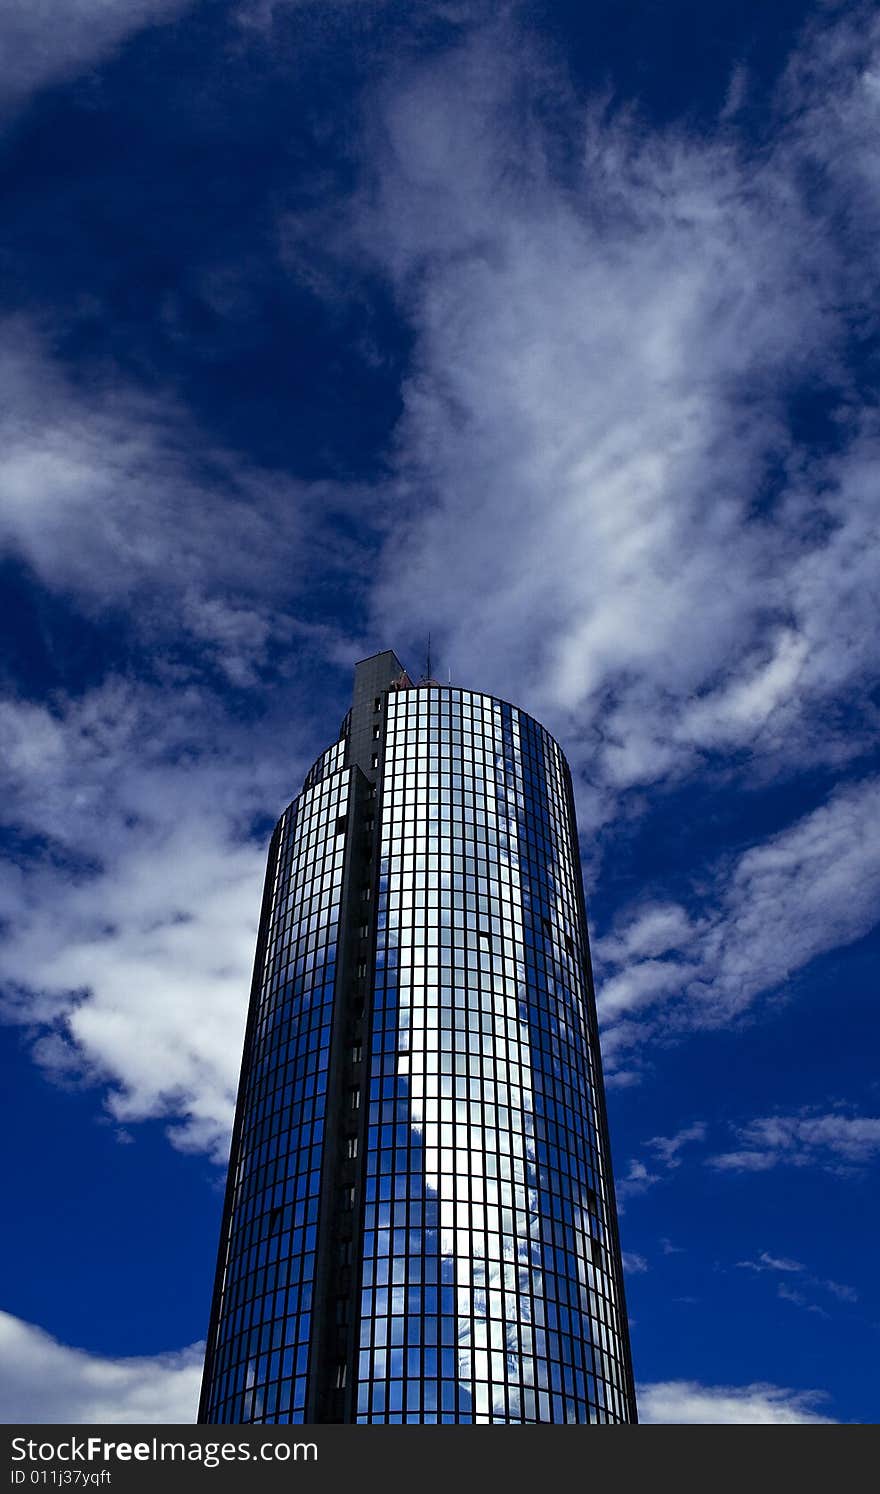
(427, 678)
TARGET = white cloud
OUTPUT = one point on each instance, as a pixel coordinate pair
(602, 360)
(639, 1178)
(130, 905)
(668, 1147)
(604, 354)
(841, 1291)
(787, 1267)
(685, 1403)
(668, 1248)
(797, 1299)
(813, 887)
(260, 15)
(767, 1262)
(130, 932)
(636, 1180)
(44, 1381)
(744, 1161)
(633, 1263)
(651, 932)
(116, 499)
(48, 41)
(834, 1140)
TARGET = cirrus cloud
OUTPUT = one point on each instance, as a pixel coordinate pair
(49, 41)
(834, 1140)
(813, 887)
(597, 473)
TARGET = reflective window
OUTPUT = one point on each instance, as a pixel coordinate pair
(260, 1356)
(488, 1287)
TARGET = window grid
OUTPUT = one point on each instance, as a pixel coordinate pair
(264, 1323)
(488, 1290)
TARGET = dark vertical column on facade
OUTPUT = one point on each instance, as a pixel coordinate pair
(334, 1341)
(372, 679)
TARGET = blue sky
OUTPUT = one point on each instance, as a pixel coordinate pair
(550, 328)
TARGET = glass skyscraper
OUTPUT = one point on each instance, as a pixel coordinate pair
(419, 1223)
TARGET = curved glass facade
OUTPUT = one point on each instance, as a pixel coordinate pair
(490, 1277)
(260, 1347)
(420, 1222)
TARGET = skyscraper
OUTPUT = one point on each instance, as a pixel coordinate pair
(419, 1223)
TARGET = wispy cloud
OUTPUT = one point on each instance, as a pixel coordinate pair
(687, 1403)
(637, 1179)
(797, 1299)
(596, 477)
(41, 45)
(130, 899)
(767, 1262)
(604, 355)
(783, 1265)
(837, 1141)
(834, 1140)
(118, 501)
(668, 1147)
(813, 887)
(43, 1381)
